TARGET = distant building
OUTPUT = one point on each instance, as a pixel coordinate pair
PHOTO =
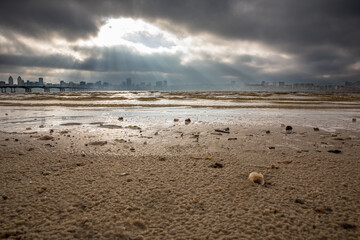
(82, 83)
(11, 80)
(128, 83)
(20, 82)
(281, 84)
(41, 81)
(159, 84)
(165, 84)
(2, 83)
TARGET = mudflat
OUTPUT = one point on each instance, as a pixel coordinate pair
(180, 182)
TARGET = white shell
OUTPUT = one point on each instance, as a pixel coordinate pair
(257, 178)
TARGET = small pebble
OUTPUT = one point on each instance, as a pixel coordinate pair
(300, 201)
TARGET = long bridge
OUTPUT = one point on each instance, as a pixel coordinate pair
(46, 88)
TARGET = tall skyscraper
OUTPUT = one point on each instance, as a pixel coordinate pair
(41, 81)
(20, 81)
(11, 80)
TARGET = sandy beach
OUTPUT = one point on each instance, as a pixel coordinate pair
(179, 182)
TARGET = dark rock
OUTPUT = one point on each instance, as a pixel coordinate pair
(316, 129)
(16, 140)
(46, 137)
(187, 121)
(132, 149)
(6, 139)
(353, 120)
(51, 130)
(232, 139)
(98, 143)
(322, 209)
(70, 124)
(176, 119)
(271, 147)
(288, 128)
(348, 226)
(4, 197)
(268, 132)
(226, 130)
(121, 119)
(217, 165)
(335, 151)
(162, 159)
(300, 201)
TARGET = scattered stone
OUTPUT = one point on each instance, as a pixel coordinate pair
(187, 121)
(132, 149)
(46, 137)
(353, 120)
(51, 131)
(322, 209)
(83, 154)
(271, 147)
(257, 178)
(4, 197)
(41, 126)
(121, 119)
(288, 129)
(333, 135)
(316, 129)
(45, 173)
(339, 139)
(41, 190)
(156, 133)
(300, 201)
(98, 143)
(68, 135)
(268, 132)
(28, 128)
(80, 164)
(176, 119)
(70, 124)
(217, 165)
(124, 174)
(274, 166)
(348, 226)
(6, 114)
(120, 140)
(31, 149)
(111, 126)
(16, 140)
(6, 139)
(230, 139)
(162, 159)
(134, 127)
(335, 151)
(48, 145)
(226, 130)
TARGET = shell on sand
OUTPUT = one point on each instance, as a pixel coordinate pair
(257, 178)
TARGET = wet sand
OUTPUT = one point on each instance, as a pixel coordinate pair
(179, 182)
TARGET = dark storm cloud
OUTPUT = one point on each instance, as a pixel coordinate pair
(322, 35)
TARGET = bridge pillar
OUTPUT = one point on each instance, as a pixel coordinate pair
(62, 89)
(27, 89)
(12, 90)
(46, 89)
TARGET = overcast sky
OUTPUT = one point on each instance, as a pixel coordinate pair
(184, 42)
